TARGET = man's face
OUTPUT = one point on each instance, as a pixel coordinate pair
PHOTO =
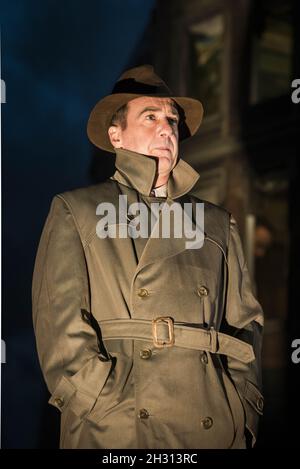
(152, 129)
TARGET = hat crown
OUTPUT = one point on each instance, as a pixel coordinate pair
(144, 73)
(141, 80)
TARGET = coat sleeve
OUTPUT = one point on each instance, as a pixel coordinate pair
(244, 317)
(67, 345)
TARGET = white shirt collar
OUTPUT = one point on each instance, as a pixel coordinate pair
(160, 191)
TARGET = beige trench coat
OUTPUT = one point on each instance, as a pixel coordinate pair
(94, 302)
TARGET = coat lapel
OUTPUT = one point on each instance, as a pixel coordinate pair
(135, 174)
(159, 247)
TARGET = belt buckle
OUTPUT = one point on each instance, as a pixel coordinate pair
(161, 343)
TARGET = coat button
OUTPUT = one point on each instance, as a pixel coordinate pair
(145, 354)
(207, 423)
(143, 414)
(59, 401)
(143, 293)
(204, 358)
(202, 291)
(260, 404)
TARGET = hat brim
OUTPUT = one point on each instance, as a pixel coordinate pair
(191, 114)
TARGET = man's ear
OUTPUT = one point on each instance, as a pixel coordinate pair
(115, 136)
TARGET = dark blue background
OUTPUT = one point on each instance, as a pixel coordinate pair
(58, 60)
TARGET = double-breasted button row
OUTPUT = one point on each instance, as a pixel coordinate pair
(143, 293)
(202, 291)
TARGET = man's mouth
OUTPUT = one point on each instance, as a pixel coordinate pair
(163, 149)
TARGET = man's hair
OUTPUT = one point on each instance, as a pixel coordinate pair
(120, 117)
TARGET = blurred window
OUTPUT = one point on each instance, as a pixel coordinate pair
(205, 52)
(272, 50)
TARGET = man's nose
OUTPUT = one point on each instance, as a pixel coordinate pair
(166, 128)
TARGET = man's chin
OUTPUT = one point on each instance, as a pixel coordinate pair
(164, 166)
(162, 153)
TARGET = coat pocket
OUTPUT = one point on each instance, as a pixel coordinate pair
(118, 391)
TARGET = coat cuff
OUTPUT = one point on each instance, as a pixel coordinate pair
(253, 404)
(78, 394)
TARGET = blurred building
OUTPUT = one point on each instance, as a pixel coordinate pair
(239, 58)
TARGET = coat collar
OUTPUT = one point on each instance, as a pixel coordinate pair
(138, 171)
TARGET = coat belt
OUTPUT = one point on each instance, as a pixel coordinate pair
(164, 332)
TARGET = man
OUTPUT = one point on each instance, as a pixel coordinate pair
(143, 342)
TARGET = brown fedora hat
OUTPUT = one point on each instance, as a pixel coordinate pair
(136, 82)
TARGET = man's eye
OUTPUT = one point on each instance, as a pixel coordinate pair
(173, 121)
(151, 117)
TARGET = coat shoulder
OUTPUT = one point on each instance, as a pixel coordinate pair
(217, 210)
(83, 196)
(83, 202)
(217, 221)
